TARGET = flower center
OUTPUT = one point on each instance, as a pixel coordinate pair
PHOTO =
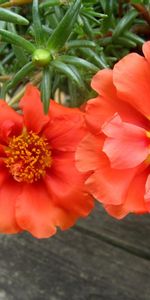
(28, 156)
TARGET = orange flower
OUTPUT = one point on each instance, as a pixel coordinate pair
(40, 188)
(117, 148)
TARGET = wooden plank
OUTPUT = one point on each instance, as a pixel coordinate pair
(73, 265)
(132, 233)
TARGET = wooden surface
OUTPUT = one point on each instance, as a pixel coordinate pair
(99, 259)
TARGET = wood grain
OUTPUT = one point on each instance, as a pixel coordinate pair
(98, 259)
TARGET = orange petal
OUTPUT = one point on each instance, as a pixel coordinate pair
(147, 191)
(134, 202)
(37, 213)
(108, 185)
(57, 110)
(88, 152)
(103, 107)
(31, 105)
(122, 140)
(9, 192)
(116, 211)
(66, 186)
(10, 122)
(102, 83)
(66, 127)
(146, 50)
(131, 76)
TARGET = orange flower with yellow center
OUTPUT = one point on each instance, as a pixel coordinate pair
(28, 156)
(40, 187)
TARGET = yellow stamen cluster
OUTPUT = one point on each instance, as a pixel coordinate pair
(28, 156)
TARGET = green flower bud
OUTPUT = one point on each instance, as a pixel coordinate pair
(41, 57)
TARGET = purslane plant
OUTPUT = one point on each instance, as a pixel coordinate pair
(61, 44)
(55, 159)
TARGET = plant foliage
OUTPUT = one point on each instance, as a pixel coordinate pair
(59, 44)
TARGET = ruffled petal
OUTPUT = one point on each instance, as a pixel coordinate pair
(9, 192)
(66, 127)
(147, 190)
(103, 107)
(102, 83)
(131, 76)
(147, 193)
(66, 186)
(57, 110)
(146, 50)
(116, 211)
(134, 202)
(10, 122)
(88, 153)
(31, 105)
(108, 185)
(126, 144)
(37, 213)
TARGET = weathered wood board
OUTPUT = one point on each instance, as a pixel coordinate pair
(99, 259)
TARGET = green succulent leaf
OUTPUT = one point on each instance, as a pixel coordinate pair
(79, 62)
(80, 44)
(87, 27)
(18, 51)
(10, 16)
(15, 39)
(37, 26)
(49, 3)
(68, 71)
(20, 75)
(66, 42)
(133, 37)
(94, 57)
(126, 42)
(46, 88)
(64, 28)
(124, 23)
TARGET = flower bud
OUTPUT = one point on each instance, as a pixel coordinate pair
(41, 57)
